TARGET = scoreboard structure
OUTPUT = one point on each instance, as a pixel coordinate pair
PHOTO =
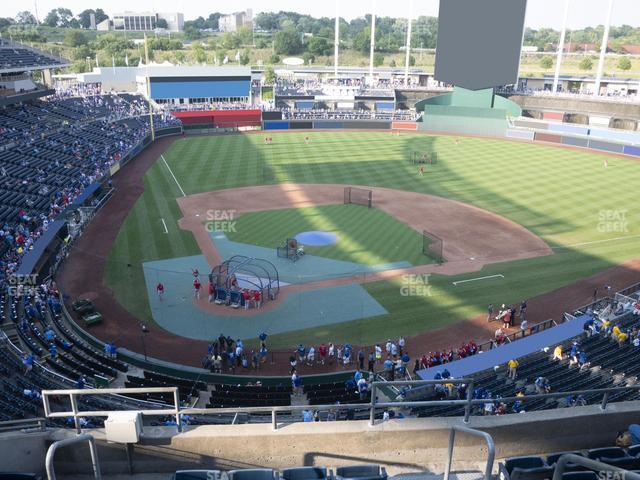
(479, 42)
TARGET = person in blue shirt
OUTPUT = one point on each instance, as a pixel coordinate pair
(49, 335)
(302, 353)
(296, 383)
(53, 350)
(27, 360)
(358, 375)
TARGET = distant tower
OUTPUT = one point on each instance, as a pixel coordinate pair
(92, 21)
(35, 8)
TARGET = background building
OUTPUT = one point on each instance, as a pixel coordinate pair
(234, 21)
(144, 21)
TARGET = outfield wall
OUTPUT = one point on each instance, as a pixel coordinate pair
(601, 139)
(327, 124)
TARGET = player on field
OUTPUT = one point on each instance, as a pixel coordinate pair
(160, 290)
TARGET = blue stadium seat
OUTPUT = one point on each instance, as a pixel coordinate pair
(361, 472)
(305, 473)
(252, 474)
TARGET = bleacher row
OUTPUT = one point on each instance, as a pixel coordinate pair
(350, 472)
(541, 468)
(14, 56)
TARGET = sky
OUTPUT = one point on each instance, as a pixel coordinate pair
(540, 13)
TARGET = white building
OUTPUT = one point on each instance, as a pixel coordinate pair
(235, 21)
(143, 22)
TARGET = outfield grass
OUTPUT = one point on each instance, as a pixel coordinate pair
(365, 235)
(565, 196)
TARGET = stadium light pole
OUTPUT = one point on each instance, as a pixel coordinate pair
(603, 48)
(336, 40)
(561, 46)
(408, 44)
(146, 61)
(373, 40)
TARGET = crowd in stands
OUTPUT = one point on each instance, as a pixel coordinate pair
(323, 114)
(50, 151)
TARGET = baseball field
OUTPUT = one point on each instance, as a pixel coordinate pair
(586, 213)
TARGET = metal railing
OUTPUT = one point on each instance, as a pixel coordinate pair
(491, 449)
(176, 410)
(594, 465)
(51, 474)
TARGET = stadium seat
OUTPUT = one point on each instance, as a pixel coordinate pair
(252, 474)
(19, 476)
(633, 450)
(579, 476)
(606, 452)
(193, 475)
(361, 472)
(305, 473)
(523, 463)
(552, 459)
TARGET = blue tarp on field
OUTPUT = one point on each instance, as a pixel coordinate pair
(501, 355)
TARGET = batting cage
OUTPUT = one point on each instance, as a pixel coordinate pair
(358, 196)
(423, 158)
(432, 246)
(240, 273)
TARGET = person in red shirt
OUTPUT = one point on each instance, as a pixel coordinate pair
(195, 272)
(212, 291)
(257, 299)
(160, 290)
(196, 288)
(246, 297)
(322, 351)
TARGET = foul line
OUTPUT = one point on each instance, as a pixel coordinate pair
(560, 247)
(174, 177)
(165, 226)
(479, 278)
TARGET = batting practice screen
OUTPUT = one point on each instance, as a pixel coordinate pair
(358, 196)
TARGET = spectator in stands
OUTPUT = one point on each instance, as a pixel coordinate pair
(542, 385)
(27, 361)
(372, 362)
(361, 357)
(293, 362)
(489, 312)
(311, 356)
(322, 351)
(331, 353)
(302, 353)
(524, 325)
(513, 367)
(296, 383)
(523, 310)
(557, 353)
(81, 383)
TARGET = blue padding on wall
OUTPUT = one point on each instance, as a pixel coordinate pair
(328, 124)
(275, 125)
(215, 89)
(560, 127)
(606, 146)
(306, 105)
(630, 150)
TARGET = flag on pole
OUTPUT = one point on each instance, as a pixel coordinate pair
(238, 56)
(126, 59)
(113, 63)
(97, 64)
(226, 60)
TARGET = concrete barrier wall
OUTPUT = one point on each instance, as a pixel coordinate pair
(531, 124)
(404, 125)
(400, 445)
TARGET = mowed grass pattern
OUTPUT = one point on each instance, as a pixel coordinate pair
(365, 235)
(559, 194)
